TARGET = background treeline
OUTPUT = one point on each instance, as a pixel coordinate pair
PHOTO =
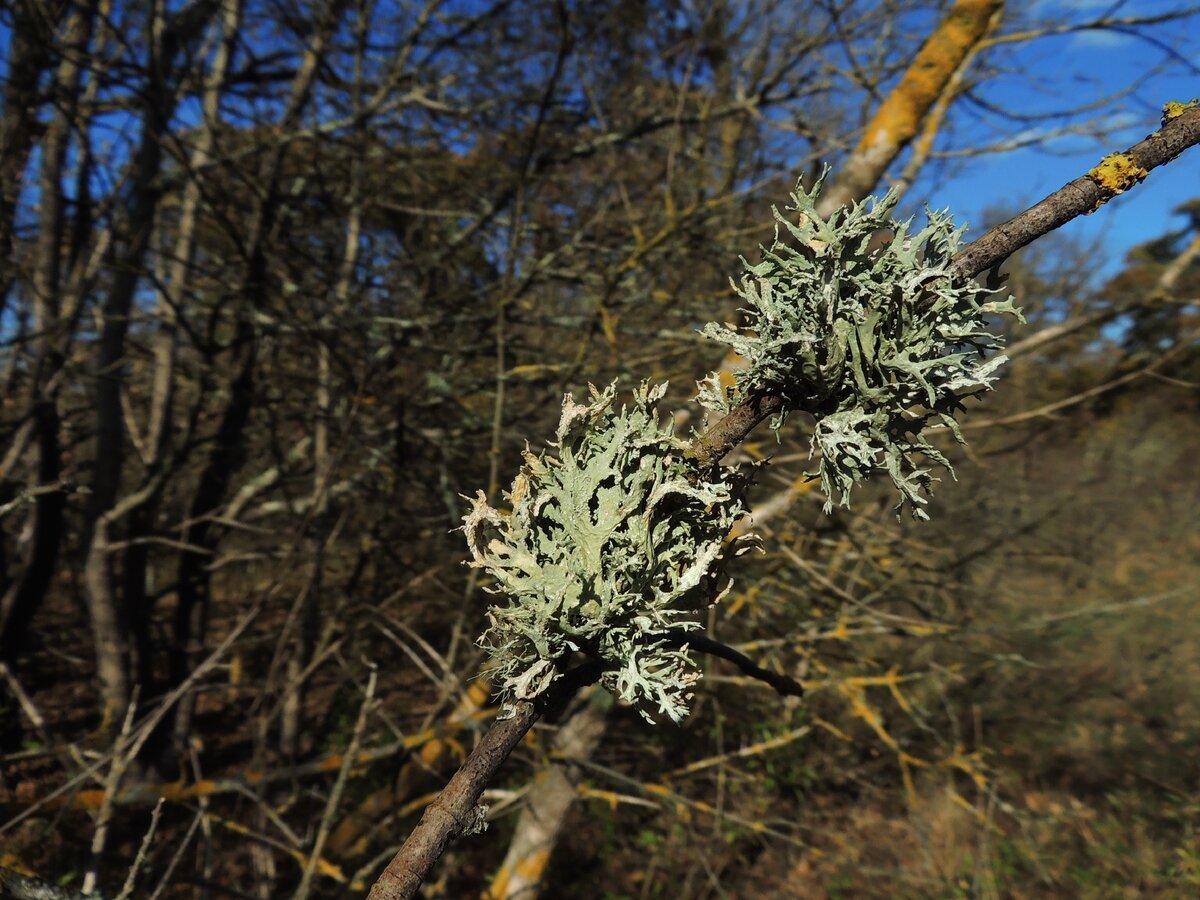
(282, 280)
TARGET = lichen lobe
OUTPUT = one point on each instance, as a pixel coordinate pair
(1173, 109)
(1115, 174)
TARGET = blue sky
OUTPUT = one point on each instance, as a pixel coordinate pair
(1054, 72)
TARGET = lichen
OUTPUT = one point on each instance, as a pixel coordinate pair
(608, 548)
(1116, 173)
(1173, 109)
(613, 538)
(877, 345)
(476, 821)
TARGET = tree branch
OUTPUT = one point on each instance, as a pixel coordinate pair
(1082, 196)
(784, 685)
(448, 815)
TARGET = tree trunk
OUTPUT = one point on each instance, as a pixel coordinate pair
(30, 47)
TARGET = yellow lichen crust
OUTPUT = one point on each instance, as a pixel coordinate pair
(1173, 109)
(1116, 173)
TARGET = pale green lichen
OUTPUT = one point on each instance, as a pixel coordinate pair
(611, 542)
(609, 546)
(877, 344)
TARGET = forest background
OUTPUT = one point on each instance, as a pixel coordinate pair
(283, 280)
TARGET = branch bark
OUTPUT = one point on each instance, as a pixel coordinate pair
(448, 815)
(1080, 197)
(547, 804)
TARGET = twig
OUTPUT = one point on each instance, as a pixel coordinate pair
(782, 683)
(1049, 409)
(339, 786)
(27, 705)
(143, 852)
(120, 762)
(1077, 198)
(176, 857)
(666, 795)
(30, 494)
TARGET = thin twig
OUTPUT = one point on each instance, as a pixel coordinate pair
(142, 854)
(120, 762)
(176, 857)
(27, 704)
(782, 683)
(339, 787)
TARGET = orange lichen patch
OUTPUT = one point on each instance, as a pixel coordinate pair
(9, 861)
(176, 792)
(532, 866)
(1116, 173)
(893, 684)
(896, 121)
(528, 871)
(612, 798)
(331, 763)
(741, 599)
(322, 866)
(609, 323)
(860, 709)
(927, 630)
(729, 369)
(968, 763)
(832, 729)
(891, 678)
(1173, 109)
(499, 886)
(744, 752)
(89, 799)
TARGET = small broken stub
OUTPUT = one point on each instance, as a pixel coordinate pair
(1116, 173)
(476, 821)
(1173, 109)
